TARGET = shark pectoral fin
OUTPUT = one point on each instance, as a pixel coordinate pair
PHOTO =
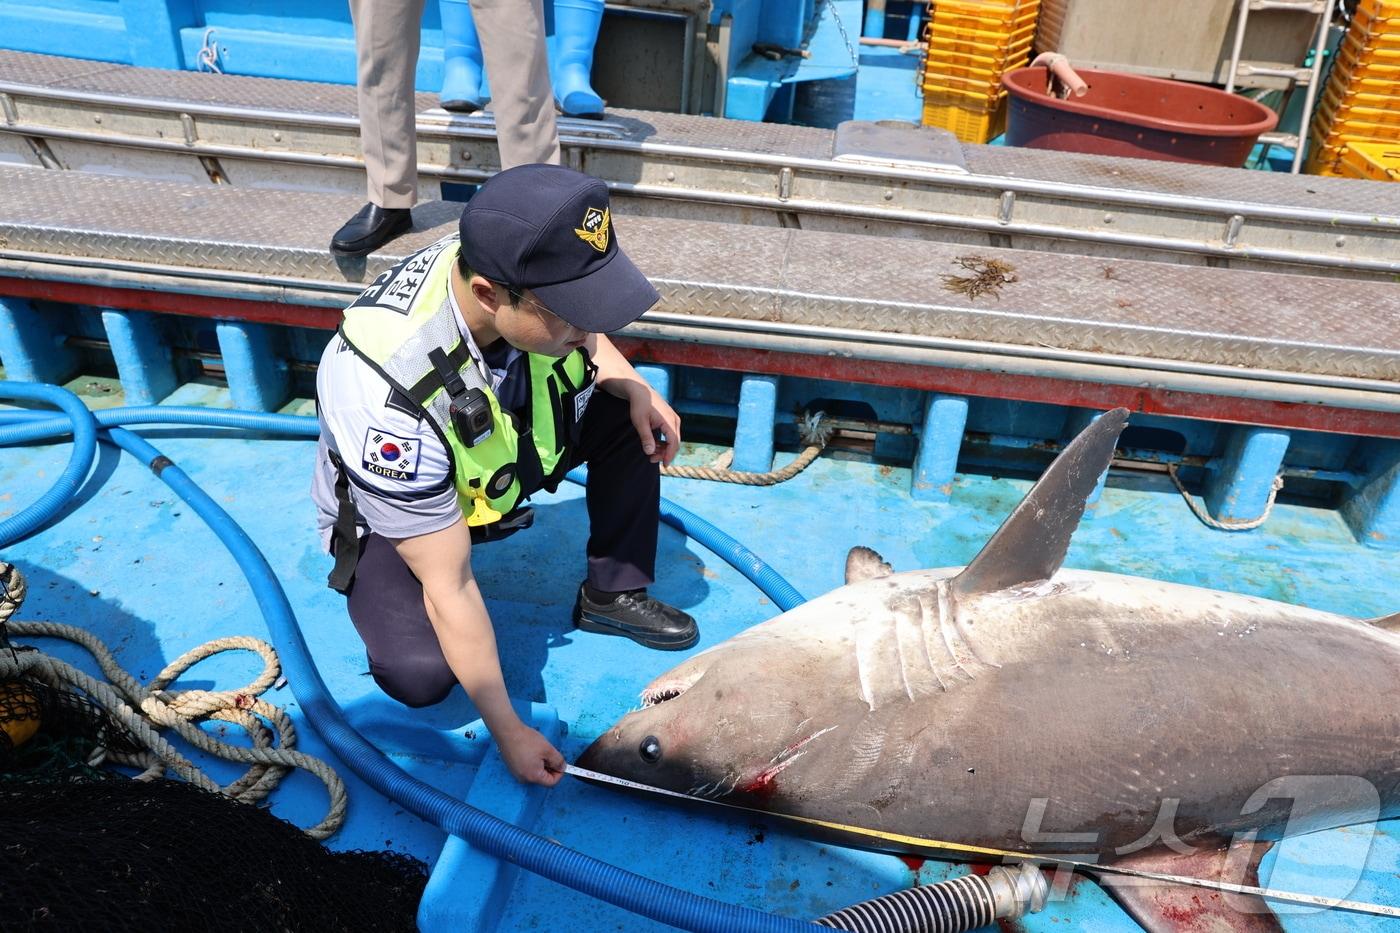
(1031, 544)
(865, 564)
(1390, 623)
(1161, 907)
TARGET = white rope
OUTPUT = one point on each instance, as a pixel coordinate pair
(1227, 524)
(209, 54)
(814, 433)
(181, 711)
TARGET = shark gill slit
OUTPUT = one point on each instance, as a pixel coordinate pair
(957, 641)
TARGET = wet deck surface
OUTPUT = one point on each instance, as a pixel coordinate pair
(135, 565)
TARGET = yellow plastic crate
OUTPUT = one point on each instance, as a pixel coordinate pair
(1349, 68)
(1376, 161)
(969, 71)
(1379, 9)
(999, 17)
(977, 41)
(975, 95)
(1335, 131)
(1352, 109)
(1368, 33)
(972, 20)
(1363, 97)
(1354, 48)
(966, 65)
(969, 124)
(1323, 159)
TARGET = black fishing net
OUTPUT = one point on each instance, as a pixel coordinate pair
(84, 847)
(118, 854)
(48, 734)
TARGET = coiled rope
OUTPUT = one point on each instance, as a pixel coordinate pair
(181, 711)
(815, 434)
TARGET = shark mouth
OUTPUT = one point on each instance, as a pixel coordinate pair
(668, 687)
(654, 696)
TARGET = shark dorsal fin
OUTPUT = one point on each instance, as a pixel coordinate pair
(865, 564)
(1031, 544)
(1390, 623)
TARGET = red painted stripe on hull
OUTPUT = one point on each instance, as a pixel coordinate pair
(1102, 396)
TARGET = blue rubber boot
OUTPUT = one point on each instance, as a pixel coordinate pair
(576, 25)
(461, 58)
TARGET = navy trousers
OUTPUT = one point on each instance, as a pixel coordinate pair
(385, 599)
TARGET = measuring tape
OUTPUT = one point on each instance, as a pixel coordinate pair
(986, 852)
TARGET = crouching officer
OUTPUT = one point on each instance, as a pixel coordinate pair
(459, 383)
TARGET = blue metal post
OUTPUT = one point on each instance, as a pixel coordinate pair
(874, 20)
(658, 377)
(936, 463)
(32, 346)
(143, 359)
(1373, 511)
(257, 376)
(1238, 489)
(153, 31)
(460, 868)
(753, 433)
(916, 22)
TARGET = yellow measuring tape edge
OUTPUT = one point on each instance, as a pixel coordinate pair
(916, 842)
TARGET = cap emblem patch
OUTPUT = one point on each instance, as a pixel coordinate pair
(594, 231)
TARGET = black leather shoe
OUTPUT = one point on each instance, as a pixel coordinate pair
(370, 228)
(637, 616)
(466, 105)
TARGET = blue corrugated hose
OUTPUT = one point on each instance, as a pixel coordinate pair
(581, 872)
(79, 422)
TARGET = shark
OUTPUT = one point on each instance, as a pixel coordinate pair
(1018, 706)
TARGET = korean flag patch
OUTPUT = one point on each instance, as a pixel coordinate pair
(581, 402)
(389, 455)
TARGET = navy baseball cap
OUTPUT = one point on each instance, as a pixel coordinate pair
(549, 229)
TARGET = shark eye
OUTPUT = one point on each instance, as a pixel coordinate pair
(650, 750)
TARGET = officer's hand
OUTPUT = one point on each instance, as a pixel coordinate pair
(530, 757)
(658, 426)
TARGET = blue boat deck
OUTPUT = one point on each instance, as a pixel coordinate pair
(130, 562)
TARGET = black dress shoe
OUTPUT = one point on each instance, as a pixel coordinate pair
(370, 228)
(637, 616)
(465, 105)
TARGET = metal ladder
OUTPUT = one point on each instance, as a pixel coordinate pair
(1241, 71)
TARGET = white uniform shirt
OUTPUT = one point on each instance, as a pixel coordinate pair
(396, 464)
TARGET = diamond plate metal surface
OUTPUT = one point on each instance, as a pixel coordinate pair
(308, 97)
(889, 286)
(1195, 181)
(243, 231)
(189, 86)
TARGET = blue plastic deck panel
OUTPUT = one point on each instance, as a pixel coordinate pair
(1240, 486)
(940, 441)
(257, 372)
(1373, 509)
(468, 889)
(658, 377)
(753, 434)
(131, 563)
(32, 343)
(142, 354)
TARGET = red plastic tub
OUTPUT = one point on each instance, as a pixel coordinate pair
(1137, 117)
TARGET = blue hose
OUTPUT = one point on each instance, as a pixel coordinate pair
(583, 873)
(79, 422)
(23, 427)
